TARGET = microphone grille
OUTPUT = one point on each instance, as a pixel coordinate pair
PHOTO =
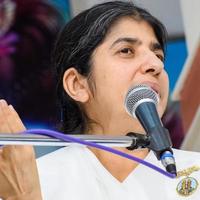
(137, 95)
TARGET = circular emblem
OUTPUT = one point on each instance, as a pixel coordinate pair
(187, 186)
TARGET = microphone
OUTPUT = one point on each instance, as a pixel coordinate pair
(140, 103)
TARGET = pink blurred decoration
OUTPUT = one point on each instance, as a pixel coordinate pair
(7, 44)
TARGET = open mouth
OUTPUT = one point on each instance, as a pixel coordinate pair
(154, 86)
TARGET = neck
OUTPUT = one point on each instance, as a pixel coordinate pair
(109, 121)
(117, 166)
(115, 127)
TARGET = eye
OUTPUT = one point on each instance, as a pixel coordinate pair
(161, 57)
(126, 51)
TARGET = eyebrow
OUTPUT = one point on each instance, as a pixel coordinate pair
(126, 39)
(154, 46)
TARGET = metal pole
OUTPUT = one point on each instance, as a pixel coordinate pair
(39, 140)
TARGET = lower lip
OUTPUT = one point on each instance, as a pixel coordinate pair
(153, 86)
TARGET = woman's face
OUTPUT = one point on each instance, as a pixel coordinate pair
(130, 55)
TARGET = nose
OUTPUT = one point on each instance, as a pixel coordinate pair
(152, 64)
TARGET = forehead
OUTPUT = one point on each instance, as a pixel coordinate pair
(129, 27)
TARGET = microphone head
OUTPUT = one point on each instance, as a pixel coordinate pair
(137, 95)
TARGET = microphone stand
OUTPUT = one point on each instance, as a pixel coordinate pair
(131, 140)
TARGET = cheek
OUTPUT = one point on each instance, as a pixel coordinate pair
(110, 90)
(112, 76)
(165, 84)
(165, 93)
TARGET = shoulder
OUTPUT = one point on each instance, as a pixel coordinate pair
(186, 154)
(186, 159)
(61, 167)
(65, 154)
(63, 171)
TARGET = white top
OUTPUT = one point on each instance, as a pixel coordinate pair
(75, 173)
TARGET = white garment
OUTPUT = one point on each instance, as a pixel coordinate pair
(74, 173)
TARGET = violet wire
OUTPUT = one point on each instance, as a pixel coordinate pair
(61, 136)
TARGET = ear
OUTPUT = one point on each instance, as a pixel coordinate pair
(76, 85)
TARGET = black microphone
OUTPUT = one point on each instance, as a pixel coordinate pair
(140, 103)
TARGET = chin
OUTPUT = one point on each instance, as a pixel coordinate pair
(161, 109)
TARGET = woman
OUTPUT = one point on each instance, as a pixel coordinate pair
(99, 55)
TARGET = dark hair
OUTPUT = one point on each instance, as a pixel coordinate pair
(76, 43)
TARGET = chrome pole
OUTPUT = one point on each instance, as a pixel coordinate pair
(40, 140)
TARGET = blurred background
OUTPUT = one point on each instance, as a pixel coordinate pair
(28, 29)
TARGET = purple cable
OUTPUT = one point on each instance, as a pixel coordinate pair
(63, 137)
